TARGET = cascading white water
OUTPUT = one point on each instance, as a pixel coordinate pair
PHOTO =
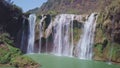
(23, 34)
(41, 32)
(32, 19)
(62, 28)
(85, 45)
(63, 35)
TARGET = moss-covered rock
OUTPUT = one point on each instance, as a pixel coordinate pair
(8, 52)
(24, 62)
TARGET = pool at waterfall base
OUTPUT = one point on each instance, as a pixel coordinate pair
(52, 61)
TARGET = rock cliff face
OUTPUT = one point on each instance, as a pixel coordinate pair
(108, 24)
(72, 6)
(107, 34)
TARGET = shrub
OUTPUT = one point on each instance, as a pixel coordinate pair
(5, 38)
(8, 52)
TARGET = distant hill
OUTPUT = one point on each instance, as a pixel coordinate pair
(71, 6)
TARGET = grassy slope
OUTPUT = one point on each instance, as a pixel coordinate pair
(50, 61)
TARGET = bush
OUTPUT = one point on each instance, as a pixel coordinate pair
(52, 12)
(5, 38)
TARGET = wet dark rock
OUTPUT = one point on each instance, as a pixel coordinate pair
(77, 24)
(47, 20)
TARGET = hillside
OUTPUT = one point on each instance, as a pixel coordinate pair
(72, 6)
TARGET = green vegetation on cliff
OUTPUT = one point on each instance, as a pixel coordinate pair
(13, 56)
(107, 40)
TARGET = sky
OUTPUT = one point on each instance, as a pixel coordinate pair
(28, 4)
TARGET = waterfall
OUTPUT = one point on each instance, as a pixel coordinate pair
(63, 35)
(23, 34)
(86, 41)
(32, 19)
(41, 32)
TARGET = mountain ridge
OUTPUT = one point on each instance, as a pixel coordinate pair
(71, 6)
